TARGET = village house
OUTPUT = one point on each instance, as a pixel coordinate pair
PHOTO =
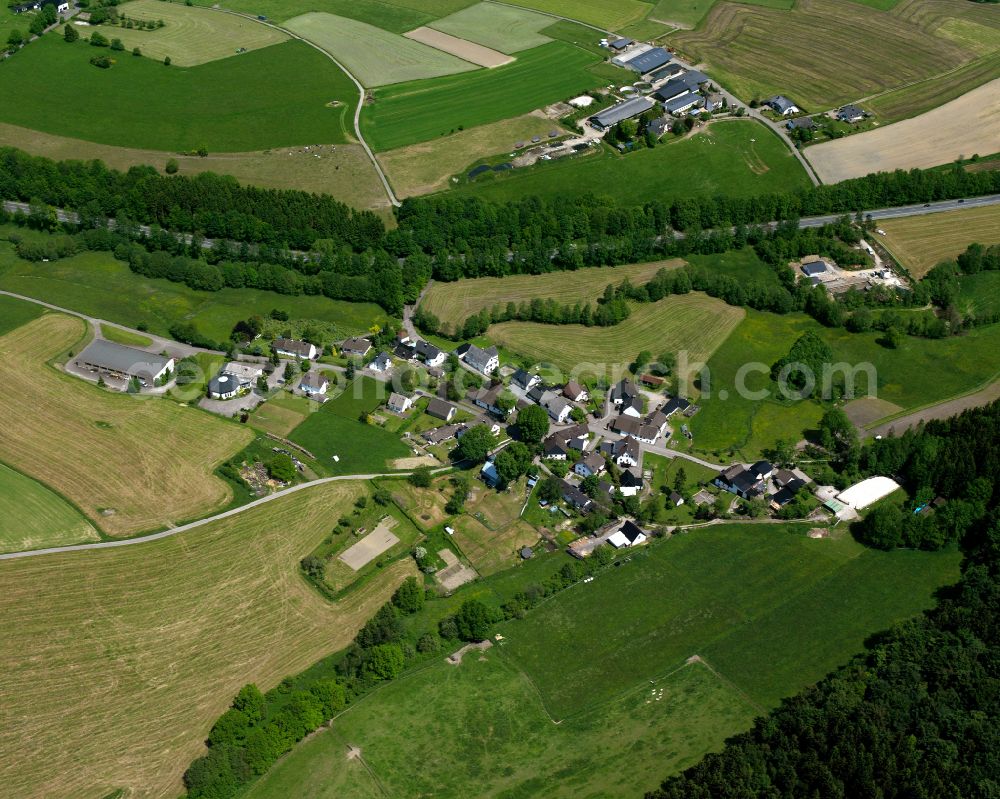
(399, 403)
(628, 535)
(851, 114)
(355, 347)
(486, 361)
(429, 354)
(440, 409)
(782, 105)
(624, 451)
(559, 409)
(293, 348)
(674, 404)
(489, 474)
(631, 482)
(524, 380)
(381, 363)
(747, 482)
(574, 392)
(591, 465)
(575, 497)
(486, 398)
(441, 434)
(626, 398)
(314, 383)
(233, 379)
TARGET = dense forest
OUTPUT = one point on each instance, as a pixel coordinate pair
(919, 714)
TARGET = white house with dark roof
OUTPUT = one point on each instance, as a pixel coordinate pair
(399, 403)
(782, 105)
(525, 380)
(356, 347)
(559, 409)
(628, 535)
(314, 383)
(381, 363)
(429, 354)
(440, 409)
(293, 348)
(591, 465)
(486, 361)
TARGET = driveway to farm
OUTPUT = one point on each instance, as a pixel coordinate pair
(346, 71)
(159, 343)
(201, 522)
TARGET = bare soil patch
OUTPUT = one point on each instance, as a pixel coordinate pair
(961, 128)
(463, 48)
(413, 463)
(864, 411)
(455, 573)
(379, 540)
(455, 658)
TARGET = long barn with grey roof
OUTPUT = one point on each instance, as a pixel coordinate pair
(610, 117)
(124, 363)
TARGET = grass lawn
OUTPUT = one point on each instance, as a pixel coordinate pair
(730, 422)
(980, 294)
(96, 284)
(738, 158)
(600, 13)
(499, 27)
(408, 113)
(425, 505)
(190, 35)
(361, 448)
(129, 464)
(375, 56)
(428, 166)
(141, 103)
(709, 592)
(455, 302)
(14, 312)
(126, 337)
(115, 670)
(361, 395)
(688, 13)
(880, 51)
(692, 323)
(492, 738)
(282, 414)
(921, 244)
(32, 516)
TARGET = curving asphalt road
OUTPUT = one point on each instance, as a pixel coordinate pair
(125, 542)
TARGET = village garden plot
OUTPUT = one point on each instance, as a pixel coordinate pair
(294, 94)
(115, 671)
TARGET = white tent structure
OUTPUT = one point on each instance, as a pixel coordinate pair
(861, 495)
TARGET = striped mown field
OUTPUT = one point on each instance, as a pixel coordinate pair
(129, 464)
(455, 302)
(922, 242)
(692, 323)
(117, 662)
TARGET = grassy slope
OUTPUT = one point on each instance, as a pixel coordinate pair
(980, 294)
(599, 13)
(692, 323)
(407, 113)
(709, 592)
(116, 663)
(455, 302)
(921, 244)
(32, 516)
(14, 313)
(688, 13)
(283, 96)
(149, 460)
(390, 16)
(98, 285)
(499, 27)
(729, 423)
(737, 158)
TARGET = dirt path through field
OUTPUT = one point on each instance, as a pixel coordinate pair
(942, 410)
(963, 127)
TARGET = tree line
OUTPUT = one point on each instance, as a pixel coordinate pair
(918, 714)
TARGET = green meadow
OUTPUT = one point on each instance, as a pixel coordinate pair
(278, 95)
(360, 448)
(32, 516)
(416, 111)
(96, 284)
(737, 158)
(14, 312)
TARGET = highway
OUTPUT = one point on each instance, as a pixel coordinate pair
(918, 209)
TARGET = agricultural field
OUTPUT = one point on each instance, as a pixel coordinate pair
(282, 414)
(32, 516)
(499, 27)
(688, 13)
(190, 35)
(114, 672)
(956, 130)
(460, 48)
(922, 242)
(509, 744)
(343, 171)
(126, 337)
(298, 97)
(737, 44)
(599, 13)
(397, 17)
(704, 593)
(709, 592)
(691, 323)
(418, 111)
(427, 167)
(130, 465)
(455, 302)
(729, 422)
(376, 57)
(736, 158)
(96, 284)
(14, 312)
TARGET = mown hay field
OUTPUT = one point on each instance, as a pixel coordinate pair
(117, 662)
(417, 111)
(190, 35)
(455, 302)
(688, 13)
(922, 242)
(129, 464)
(32, 516)
(691, 323)
(292, 93)
(426, 167)
(965, 126)
(500, 27)
(600, 13)
(877, 50)
(390, 15)
(375, 56)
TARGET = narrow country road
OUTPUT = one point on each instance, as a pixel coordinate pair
(200, 523)
(361, 92)
(940, 410)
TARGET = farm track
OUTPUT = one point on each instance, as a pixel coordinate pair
(361, 97)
